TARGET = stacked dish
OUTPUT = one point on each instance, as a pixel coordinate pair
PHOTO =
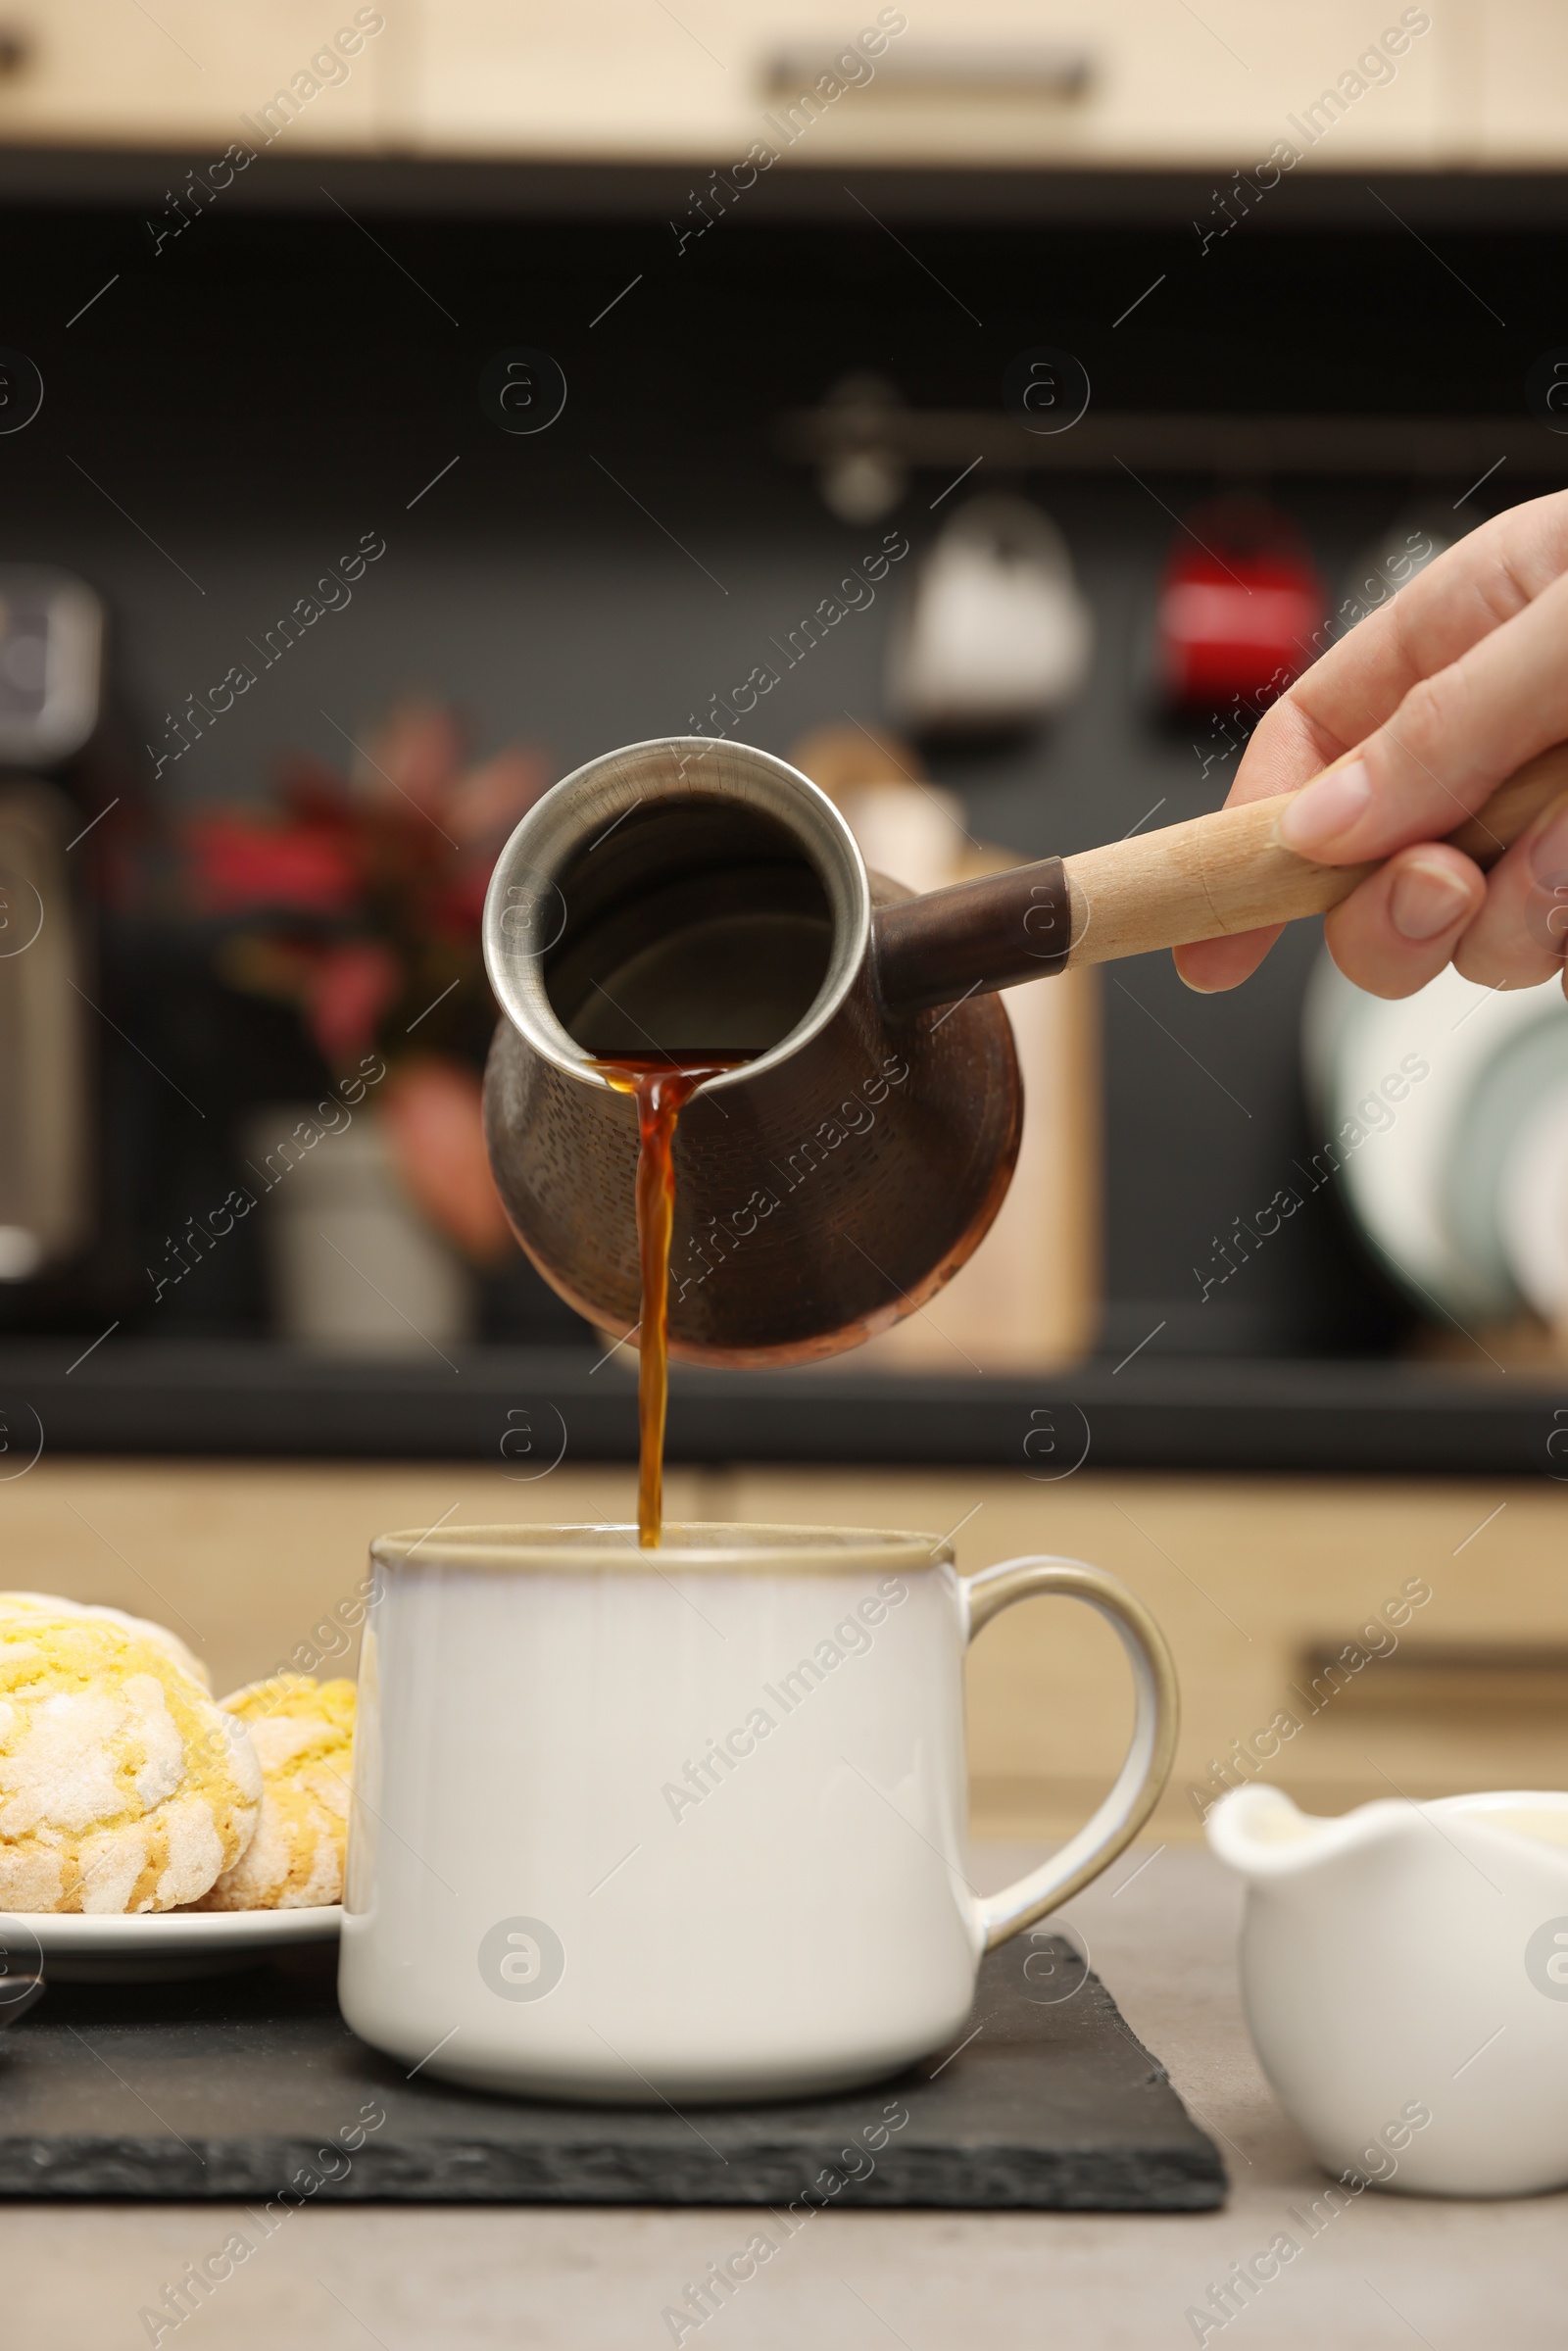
(1447, 1117)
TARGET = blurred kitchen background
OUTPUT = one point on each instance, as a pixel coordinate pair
(438, 400)
(990, 412)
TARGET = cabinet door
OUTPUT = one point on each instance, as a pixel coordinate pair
(1520, 87)
(106, 73)
(1130, 83)
(611, 80)
(1122, 83)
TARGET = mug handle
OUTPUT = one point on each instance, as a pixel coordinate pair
(1149, 1756)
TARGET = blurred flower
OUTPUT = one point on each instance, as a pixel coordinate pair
(346, 989)
(241, 862)
(360, 902)
(433, 1112)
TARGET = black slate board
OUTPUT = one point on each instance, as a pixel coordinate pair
(243, 2086)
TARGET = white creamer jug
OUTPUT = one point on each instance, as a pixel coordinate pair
(1411, 1960)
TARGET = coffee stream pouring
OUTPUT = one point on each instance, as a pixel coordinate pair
(692, 899)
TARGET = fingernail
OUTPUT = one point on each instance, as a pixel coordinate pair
(1323, 812)
(1426, 900)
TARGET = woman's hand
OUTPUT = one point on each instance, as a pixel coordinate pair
(1440, 695)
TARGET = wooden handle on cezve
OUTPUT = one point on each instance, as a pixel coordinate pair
(1205, 879)
(1228, 872)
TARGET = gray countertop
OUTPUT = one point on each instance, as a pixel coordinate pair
(1387, 2271)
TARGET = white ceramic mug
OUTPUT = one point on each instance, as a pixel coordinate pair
(688, 1823)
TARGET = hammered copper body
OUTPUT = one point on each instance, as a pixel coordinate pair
(823, 1191)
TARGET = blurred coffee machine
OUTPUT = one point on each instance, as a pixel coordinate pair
(51, 662)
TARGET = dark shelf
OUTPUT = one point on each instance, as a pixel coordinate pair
(518, 1405)
(537, 189)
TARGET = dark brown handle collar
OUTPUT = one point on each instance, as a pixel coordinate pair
(972, 938)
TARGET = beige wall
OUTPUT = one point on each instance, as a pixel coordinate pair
(1248, 1576)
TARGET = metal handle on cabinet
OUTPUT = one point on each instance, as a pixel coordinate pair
(1051, 70)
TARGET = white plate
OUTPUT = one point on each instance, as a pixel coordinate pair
(155, 1946)
(1528, 1071)
(1394, 1180)
(1533, 1204)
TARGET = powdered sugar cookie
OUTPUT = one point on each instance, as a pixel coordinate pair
(123, 1787)
(170, 1642)
(302, 1733)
